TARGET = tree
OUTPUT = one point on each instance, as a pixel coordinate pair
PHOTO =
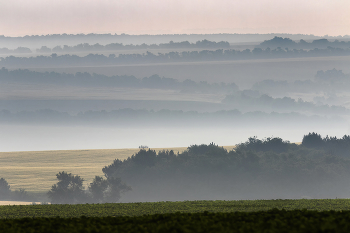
(97, 189)
(115, 189)
(21, 195)
(145, 158)
(5, 190)
(108, 190)
(313, 140)
(68, 190)
(275, 144)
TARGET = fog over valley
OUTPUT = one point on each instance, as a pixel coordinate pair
(107, 101)
(279, 103)
(175, 116)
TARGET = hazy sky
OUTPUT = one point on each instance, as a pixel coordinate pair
(319, 17)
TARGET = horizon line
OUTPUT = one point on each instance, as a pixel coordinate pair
(169, 34)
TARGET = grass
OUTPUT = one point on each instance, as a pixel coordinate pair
(138, 209)
(35, 171)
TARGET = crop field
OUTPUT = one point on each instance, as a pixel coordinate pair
(270, 221)
(144, 208)
(323, 215)
(35, 171)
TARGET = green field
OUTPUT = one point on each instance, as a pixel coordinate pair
(272, 221)
(316, 215)
(138, 209)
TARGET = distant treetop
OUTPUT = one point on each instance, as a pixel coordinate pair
(302, 44)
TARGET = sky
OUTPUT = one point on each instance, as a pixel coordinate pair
(42, 17)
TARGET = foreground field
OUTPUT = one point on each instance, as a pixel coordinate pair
(35, 171)
(270, 221)
(138, 209)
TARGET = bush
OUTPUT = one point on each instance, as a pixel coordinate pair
(5, 190)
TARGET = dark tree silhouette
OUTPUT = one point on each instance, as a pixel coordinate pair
(313, 140)
(108, 190)
(276, 144)
(5, 190)
(203, 149)
(97, 189)
(68, 190)
(115, 189)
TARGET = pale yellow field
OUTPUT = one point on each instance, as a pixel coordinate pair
(17, 202)
(35, 171)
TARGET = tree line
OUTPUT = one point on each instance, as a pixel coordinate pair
(249, 99)
(86, 47)
(330, 82)
(70, 190)
(92, 37)
(55, 60)
(18, 50)
(257, 168)
(89, 80)
(323, 81)
(302, 44)
(17, 195)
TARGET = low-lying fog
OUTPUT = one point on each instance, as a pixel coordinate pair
(36, 137)
(243, 73)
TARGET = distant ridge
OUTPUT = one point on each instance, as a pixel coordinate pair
(50, 40)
